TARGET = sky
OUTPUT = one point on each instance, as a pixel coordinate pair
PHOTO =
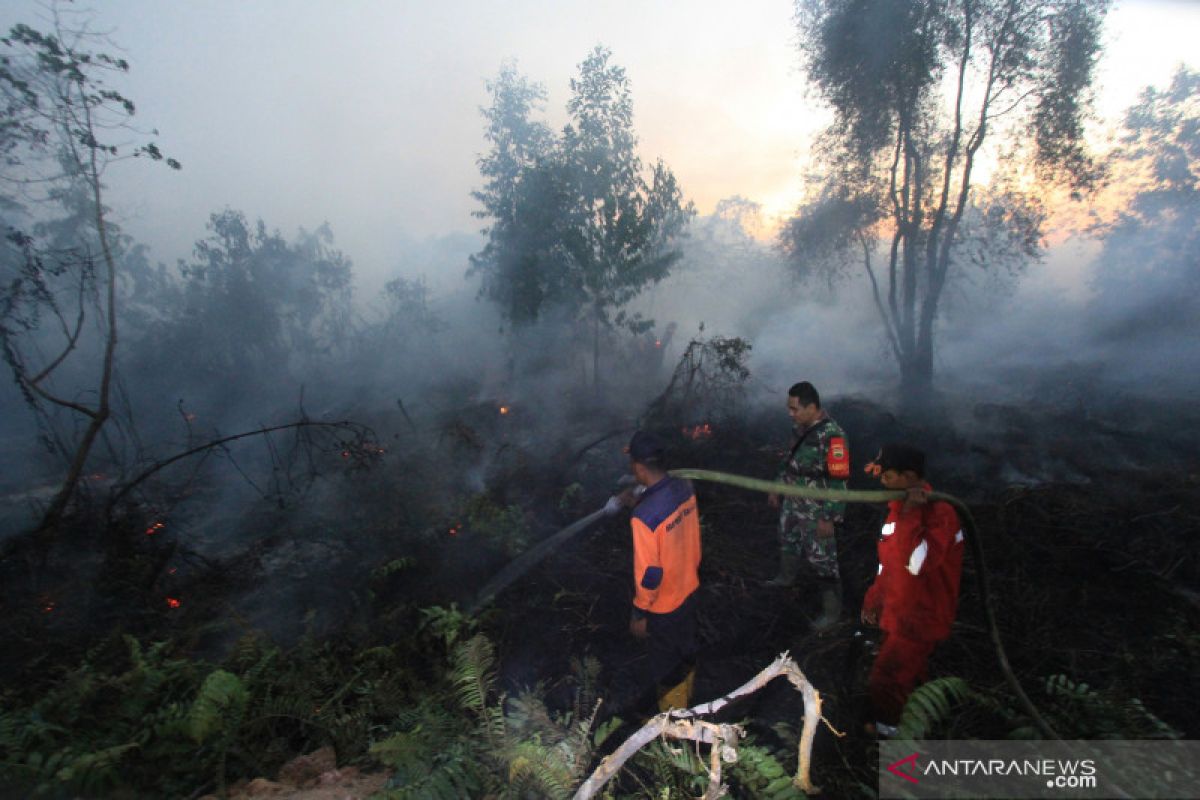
(365, 113)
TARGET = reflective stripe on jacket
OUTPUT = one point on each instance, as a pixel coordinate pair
(920, 566)
(666, 546)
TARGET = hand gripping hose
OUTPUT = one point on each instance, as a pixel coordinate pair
(970, 533)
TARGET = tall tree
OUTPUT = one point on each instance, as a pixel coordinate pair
(62, 131)
(917, 87)
(576, 221)
(252, 305)
(1148, 274)
(521, 200)
(624, 228)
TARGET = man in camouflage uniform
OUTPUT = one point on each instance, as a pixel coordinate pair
(819, 457)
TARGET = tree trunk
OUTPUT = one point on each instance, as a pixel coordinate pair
(596, 351)
(100, 416)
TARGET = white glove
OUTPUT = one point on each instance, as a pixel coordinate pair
(613, 506)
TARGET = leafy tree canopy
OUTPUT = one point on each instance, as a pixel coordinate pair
(916, 88)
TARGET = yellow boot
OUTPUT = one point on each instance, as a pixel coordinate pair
(679, 695)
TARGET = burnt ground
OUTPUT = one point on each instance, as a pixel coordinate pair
(1092, 560)
(1089, 518)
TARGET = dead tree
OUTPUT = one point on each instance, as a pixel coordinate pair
(55, 90)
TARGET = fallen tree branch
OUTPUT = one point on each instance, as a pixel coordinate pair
(358, 430)
(685, 724)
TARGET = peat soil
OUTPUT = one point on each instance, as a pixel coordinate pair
(1090, 529)
(1089, 518)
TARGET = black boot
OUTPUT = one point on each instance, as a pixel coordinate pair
(789, 565)
(831, 606)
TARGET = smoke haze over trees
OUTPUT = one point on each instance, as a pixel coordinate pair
(261, 440)
(917, 90)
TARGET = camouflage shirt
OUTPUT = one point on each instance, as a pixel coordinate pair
(807, 465)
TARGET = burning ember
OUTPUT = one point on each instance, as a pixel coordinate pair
(363, 450)
(155, 528)
(173, 602)
(658, 342)
(455, 529)
(47, 604)
(504, 410)
(702, 431)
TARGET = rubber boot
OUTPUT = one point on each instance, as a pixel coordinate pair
(679, 695)
(789, 565)
(831, 606)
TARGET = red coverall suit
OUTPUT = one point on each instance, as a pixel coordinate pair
(915, 595)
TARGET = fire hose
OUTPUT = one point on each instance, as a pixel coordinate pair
(527, 560)
(970, 534)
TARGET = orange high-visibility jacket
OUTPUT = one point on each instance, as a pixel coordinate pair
(666, 546)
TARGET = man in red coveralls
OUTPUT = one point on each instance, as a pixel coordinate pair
(915, 594)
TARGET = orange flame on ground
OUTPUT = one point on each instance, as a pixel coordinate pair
(173, 602)
(155, 528)
(503, 410)
(702, 431)
(455, 530)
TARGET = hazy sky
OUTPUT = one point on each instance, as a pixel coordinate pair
(365, 114)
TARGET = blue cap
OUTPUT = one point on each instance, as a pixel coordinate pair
(645, 447)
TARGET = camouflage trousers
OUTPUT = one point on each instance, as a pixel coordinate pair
(798, 534)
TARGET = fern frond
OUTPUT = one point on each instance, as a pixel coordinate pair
(534, 767)
(930, 705)
(473, 678)
(762, 774)
(450, 775)
(527, 715)
(219, 705)
(93, 771)
(586, 672)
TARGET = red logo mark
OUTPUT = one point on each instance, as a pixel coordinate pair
(899, 773)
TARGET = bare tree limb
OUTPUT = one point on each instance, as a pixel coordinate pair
(220, 443)
(685, 724)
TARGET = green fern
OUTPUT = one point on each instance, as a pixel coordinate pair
(449, 774)
(673, 768)
(541, 770)
(93, 772)
(1089, 714)
(447, 623)
(526, 715)
(760, 774)
(218, 707)
(586, 672)
(930, 706)
(473, 677)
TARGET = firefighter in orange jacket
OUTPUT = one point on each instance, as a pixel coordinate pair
(666, 559)
(914, 597)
